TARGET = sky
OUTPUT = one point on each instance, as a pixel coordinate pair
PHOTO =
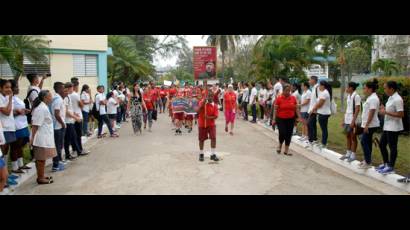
(193, 40)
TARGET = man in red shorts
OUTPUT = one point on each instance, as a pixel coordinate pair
(208, 113)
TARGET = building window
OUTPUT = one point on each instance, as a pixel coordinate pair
(5, 70)
(85, 65)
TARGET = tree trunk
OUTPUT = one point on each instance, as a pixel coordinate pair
(223, 65)
(342, 87)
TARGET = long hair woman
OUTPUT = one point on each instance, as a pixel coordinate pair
(322, 108)
(42, 130)
(370, 121)
(87, 101)
(136, 105)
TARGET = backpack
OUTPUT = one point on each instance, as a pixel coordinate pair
(28, 105)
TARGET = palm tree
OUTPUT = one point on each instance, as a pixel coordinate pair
(126, 60)
(338, 44)
(225, 43)
(14, 48)
(387, 66)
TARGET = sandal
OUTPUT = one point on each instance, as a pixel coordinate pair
(278, 151)
(44, 181)
(231, 133)
(18, 171)
(288, 154)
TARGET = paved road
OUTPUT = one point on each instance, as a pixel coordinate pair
(161, 163)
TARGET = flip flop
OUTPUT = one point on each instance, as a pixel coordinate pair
(288, 154)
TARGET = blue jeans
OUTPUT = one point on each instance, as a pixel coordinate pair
(148, 116)
(367, 143)
(85, 123)
(245, 110)
(312, 129)
(389, 138)
(59, 142)
(323, 120)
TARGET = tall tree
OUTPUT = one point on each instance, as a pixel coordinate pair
(13, 49)
(339, 43)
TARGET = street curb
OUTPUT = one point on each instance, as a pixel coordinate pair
(333, 156)
(32, 172)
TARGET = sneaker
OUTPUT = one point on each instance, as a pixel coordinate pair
(344, 157)
(13, 177)
(201, 157)
(64, 162)
(386, 170)
(11, 181)
(82, 154)
(86, 151)
(364, 165)
(214, 157)
(380, 167)
(58, 169)
(351, 158)
(71, 158)
(404, 180)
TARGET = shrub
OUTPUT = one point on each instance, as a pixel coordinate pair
(335, 84)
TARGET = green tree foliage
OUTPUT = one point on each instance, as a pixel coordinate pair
(13, 49)
(387, 66)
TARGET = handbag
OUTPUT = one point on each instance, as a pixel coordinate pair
(154, 115)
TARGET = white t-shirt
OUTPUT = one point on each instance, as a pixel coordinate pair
(101, 108)
(58, 104)
(372, 102)
(394, 104)
(254, 93)
(75, 100)
(34, 94)
(87, 99)
(349, 107)
(313, 98)
(277, 89)
(262, 96)
(246, 95)
(325, 109)
(269, 93)
(115, 96)
(305, 96)
(111, 106)
(41, 117)
(69, 107)
(19, 120)
(7, 121)
(297, 95)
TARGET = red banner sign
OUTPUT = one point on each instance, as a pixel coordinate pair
(204, 62)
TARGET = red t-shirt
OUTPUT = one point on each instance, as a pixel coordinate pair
(154, 94)
(230, 100)
(162, 93)
(286, 106)
(172, 92)
(148, 101)
(211, 109)
(216, 96)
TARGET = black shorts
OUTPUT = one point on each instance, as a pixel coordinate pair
(112, 116)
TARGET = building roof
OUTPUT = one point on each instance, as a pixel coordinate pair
(322, 59)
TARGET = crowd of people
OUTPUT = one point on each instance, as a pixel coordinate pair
(68, 114)
(284, 105)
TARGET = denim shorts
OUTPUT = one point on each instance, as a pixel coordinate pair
(10, 137)
(2, 163)
(305, 115)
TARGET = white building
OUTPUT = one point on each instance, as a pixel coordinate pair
(396, 47)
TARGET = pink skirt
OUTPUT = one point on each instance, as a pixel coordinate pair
(229, 116)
